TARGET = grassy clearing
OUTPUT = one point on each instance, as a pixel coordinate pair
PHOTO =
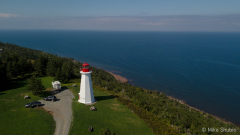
(110, 114)
(16, 119)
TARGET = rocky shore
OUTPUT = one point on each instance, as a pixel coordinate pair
(119, 78)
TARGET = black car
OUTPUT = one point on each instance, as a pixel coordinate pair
(33, 104)
(51, 98)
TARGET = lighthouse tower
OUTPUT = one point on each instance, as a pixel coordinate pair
(86, 91)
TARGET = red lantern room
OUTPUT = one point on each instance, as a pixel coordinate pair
(85, 67)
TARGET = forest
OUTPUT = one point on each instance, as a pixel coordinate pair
(162, 114)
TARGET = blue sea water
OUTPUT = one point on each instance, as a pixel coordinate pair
(203, 69)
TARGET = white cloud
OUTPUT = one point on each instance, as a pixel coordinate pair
(126, 23)
(9, 15)
(152, 23)
(118, 19)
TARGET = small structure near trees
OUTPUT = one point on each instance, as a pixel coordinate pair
(27, 97)
(92, 108)
(90, 129)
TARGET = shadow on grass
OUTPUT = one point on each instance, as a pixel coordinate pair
(2, 93)
(67, 82)
(45, 94)
(99, 98)
(14, 84)
(53, 92)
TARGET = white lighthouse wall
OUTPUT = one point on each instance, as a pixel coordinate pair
(86, 90)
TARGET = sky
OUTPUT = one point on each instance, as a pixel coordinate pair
(122, 15)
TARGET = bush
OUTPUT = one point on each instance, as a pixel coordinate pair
(106, 131)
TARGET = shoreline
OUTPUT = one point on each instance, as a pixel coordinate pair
(118, 77)
(202, 111)
(125, 80)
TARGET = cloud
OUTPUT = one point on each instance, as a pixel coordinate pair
(9, 15)
(152, 23)
(127, 23)
(118, 19)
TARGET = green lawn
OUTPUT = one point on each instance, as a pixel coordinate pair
(16, 119)
(110, 114)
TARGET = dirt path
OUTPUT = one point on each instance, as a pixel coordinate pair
(61, 111)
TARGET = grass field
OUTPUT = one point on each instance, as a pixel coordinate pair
(110, 114)
(16, 119)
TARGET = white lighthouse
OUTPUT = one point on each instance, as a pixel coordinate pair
(86, 91)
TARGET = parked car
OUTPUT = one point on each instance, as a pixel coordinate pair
(51, 98)
(33, 104)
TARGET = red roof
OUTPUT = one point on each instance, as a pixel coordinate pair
(85, 64)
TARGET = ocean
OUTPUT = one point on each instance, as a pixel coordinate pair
(200, 68)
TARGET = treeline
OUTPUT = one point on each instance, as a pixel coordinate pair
(27, 53)
(19, 62)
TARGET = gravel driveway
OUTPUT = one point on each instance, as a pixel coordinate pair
(61, 110)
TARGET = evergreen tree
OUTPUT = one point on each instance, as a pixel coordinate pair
(40, 65)
(3, 75)
(58, 75)
(64, 71)
(9, 69)
(70, 69)
(22, 66)
(15, 69)
(35, 85)
(51, 68)
(29, 66)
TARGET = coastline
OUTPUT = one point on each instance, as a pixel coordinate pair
(216, 117)
(125, 80)
(118, 77)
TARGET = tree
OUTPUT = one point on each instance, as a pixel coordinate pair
(9, 70)
(15, 69)
(22, 66)
(58, 75)
(35, 85)
(40, 65)
(64, 71)
(51, 68)
(3, 75)
(29, 66)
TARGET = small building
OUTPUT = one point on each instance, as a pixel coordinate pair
(56, 85)
(1, 50)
